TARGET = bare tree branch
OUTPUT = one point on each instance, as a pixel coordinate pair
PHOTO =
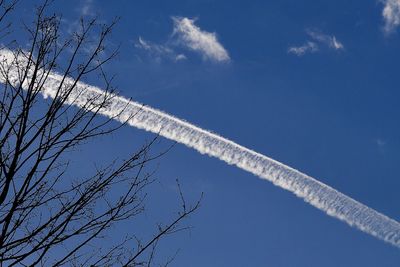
(48, 216)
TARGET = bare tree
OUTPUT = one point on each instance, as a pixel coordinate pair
(48, 217)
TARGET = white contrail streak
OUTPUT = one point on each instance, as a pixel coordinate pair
(312, 191)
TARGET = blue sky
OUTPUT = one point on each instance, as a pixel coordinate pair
(313, 84)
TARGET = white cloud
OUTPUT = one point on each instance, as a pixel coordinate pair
(180, 57)
(391, 15)
(158, 51)
(336, 44)
(87, 8)
(151, 47)
(185, 36)
(328, 40)
(206, 43)
(301, 50)
(318, 39)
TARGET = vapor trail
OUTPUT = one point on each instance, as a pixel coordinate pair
(312, 191)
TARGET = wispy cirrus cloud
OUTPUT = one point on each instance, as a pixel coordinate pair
(328, 40)
(186, 36)
(158, 51)
(309, 47)
(87, 8)
(205, 43)
(318, 39)
(391, 15)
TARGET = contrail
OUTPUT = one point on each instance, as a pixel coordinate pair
(311, 190)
